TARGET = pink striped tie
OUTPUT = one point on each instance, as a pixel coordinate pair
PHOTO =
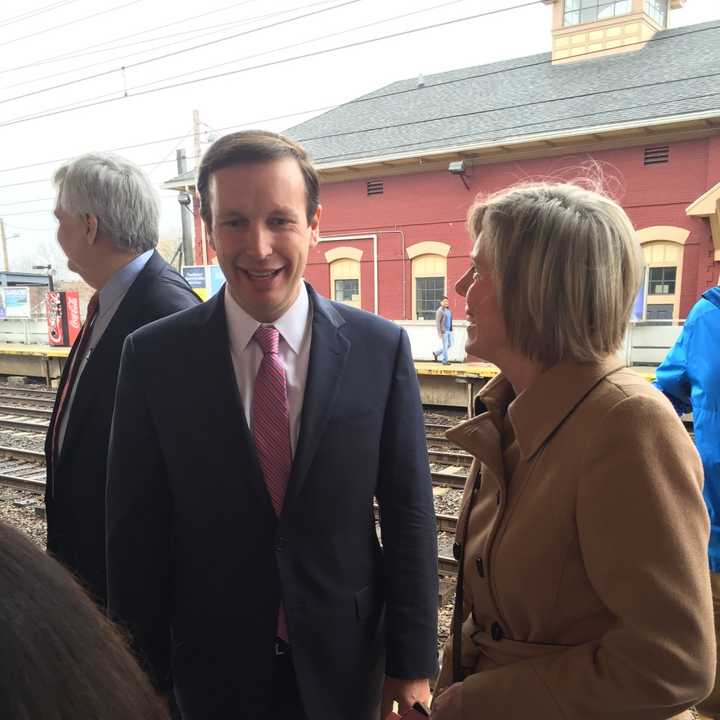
(271, 427)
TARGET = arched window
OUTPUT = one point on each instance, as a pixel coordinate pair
(345, 275)
(663, 247)
(429, 277)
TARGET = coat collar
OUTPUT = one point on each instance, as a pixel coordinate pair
(534, 415)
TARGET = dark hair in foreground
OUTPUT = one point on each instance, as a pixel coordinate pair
(254, 146)
(60, 659)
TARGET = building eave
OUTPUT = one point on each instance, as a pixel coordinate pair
(654, 130)
(708, 206)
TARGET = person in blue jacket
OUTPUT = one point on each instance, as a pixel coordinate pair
(690, 378)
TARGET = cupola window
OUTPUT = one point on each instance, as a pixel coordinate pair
(657, 10)
(586, 11)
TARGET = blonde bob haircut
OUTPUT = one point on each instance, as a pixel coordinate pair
(566, 266)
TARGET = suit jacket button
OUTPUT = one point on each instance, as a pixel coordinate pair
(496, 632)
(280, 543)
(480, 567)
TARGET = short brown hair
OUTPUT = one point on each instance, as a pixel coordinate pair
(254, 146)
(566, 265)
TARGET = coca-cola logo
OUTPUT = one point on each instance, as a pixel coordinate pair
(73, 310)
(54, 318)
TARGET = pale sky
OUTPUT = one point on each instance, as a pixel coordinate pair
(49, 43)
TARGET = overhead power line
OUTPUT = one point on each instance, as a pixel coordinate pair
(194, 32)
(53, 58)
(128, 92)
(70, 22)
(34, 13)
(309, 111)
(174, 53)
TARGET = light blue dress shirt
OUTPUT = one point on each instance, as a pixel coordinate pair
(109, 298)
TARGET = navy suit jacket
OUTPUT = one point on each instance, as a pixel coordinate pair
(197, 560)
(75, 489)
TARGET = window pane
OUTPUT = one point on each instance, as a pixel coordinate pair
(587, 16)
(661, 281)
(657, 10)
(589, 3)
(659, 312)
(347, 290)
(572, 5)
(428, 294)
(572, 18)
(606, 11)
(622, 7)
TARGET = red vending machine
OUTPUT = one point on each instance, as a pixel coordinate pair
(63, 317)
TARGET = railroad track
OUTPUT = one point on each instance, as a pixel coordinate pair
(447, 565)
(22, 469)
(23, 421)
(450, 458)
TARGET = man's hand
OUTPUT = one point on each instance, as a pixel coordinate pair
(448, 706)
(404, 692)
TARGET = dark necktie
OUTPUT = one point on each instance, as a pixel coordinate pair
(80, 346)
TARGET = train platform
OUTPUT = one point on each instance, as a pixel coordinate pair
(40, 361)
(451, 384)
(455, 384)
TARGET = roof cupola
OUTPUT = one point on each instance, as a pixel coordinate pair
(584, 29)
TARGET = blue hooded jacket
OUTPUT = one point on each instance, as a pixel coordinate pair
(690, 377)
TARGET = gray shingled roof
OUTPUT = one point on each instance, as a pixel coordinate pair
(675, 74)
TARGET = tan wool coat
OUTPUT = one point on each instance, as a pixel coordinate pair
(587, 592)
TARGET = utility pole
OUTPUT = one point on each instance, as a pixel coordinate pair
(196, 137)
(185, 214)
(197, 153)
(3, 243)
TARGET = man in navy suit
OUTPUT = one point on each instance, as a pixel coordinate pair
(250, 439)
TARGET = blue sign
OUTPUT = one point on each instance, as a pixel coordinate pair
(195, 275)
(216, 279)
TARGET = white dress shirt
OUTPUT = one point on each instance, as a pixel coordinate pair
(295, 328)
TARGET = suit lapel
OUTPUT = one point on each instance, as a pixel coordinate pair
(328, 354)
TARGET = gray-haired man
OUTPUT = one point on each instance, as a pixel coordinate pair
(107, 214)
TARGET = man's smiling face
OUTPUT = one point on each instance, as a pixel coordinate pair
(261, 233)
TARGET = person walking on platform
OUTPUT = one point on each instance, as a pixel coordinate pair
(690, 378)
(443, 322)
(251, 437)
(107, 215)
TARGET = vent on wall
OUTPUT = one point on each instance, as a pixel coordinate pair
(656, 154)
(375, 187)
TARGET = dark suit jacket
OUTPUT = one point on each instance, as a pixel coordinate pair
(197, 557)
(75, 490)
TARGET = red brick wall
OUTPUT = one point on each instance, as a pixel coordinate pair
(433, 205)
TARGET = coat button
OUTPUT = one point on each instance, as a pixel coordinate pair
(496, 632)
(280, 543)
(480, 567)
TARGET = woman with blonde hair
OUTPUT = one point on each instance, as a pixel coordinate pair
(584, 591)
